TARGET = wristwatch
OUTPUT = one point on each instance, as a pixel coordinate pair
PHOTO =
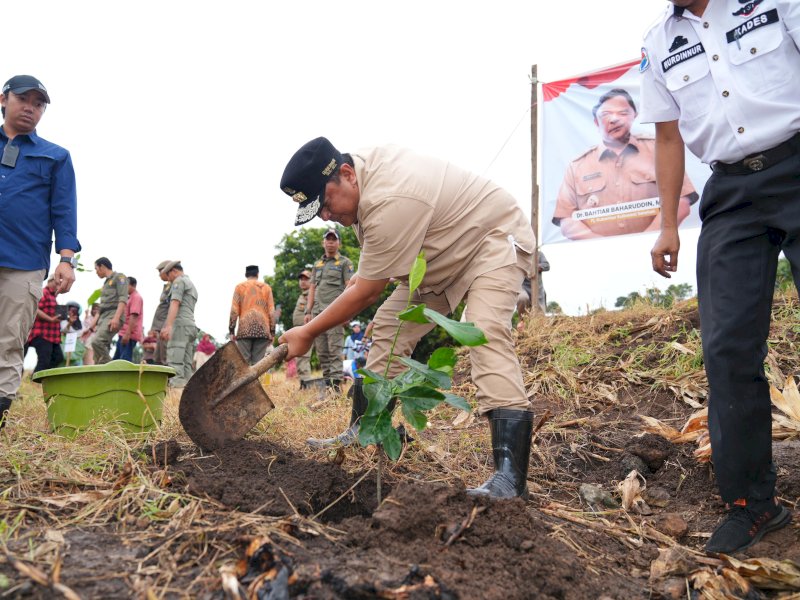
(73, 262)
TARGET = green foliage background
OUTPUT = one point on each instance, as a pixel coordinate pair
(299, 250)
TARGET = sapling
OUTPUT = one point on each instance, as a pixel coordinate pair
(420, 388)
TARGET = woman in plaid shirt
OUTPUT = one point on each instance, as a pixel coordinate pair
(45, 337)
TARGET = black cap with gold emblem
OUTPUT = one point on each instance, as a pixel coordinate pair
(306, 174)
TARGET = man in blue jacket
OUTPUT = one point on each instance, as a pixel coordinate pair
(37, 198)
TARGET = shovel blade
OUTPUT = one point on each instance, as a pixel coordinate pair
(214, 417)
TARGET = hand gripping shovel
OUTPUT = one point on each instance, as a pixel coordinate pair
(224, 400)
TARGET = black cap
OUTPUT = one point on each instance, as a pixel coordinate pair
(306, 174)
(19, 84)
(251, 271)
(332, 232)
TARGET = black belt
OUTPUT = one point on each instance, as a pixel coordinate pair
(762, 160)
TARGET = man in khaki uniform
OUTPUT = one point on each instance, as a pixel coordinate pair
(620, 173)
(478, 245)
(160, 316)
(112, 308)
(298, 318)
(329, 278)
(179, 329)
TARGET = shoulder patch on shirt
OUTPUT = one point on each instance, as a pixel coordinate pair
(645, 62)
(673, 60)
(747, 9)
(753, 23)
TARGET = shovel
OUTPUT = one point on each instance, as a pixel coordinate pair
(224, 400)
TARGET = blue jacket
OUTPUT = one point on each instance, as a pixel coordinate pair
(37, 197)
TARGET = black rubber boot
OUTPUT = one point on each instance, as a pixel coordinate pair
(350, 435)
(5, 406)
(511, 451)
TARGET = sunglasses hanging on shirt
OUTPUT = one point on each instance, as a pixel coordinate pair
(10, 154)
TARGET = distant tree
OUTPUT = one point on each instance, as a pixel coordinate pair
(655, 297)
(299, 250)
(554, 307)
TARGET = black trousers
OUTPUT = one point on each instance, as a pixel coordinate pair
(48, 354)
(747, 221)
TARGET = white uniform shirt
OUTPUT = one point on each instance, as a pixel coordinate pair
(731, 77)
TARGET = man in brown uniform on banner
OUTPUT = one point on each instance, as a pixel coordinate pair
(329, 277)
(478, 245)
(298, 318)
(620, 172)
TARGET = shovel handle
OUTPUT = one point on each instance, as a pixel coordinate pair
(257, 370)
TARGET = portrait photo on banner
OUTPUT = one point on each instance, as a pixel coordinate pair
(598, 175)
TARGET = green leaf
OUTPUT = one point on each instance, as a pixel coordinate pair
(415, 314)
(373, 429)
(415, 417)
(457, 402)
(391, 444)
(443, 359)
(437, 378)
(464, 333)
(408, 379)
(378, 394)
(371, 376)
(93, 298)
(417, 272)
(420, 397)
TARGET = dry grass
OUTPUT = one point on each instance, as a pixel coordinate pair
(581, 369)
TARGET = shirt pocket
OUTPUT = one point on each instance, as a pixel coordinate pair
(759, 62)
(589, 192)
(41, 167)
(688, 83)
(644, 184)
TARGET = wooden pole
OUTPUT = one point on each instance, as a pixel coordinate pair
(535, 183)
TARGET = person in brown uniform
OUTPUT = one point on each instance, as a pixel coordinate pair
(298, 318)
(611, 188)
(329, 278)
(478, 245)
(160, 316)
(113, 299)
(253, 308)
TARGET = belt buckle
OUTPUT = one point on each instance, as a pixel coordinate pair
(756, 163)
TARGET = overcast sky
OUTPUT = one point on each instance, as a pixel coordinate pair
(180, 117)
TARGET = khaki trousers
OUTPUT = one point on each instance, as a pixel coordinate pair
(20, 292)
(179, 353)
(330, 347)
(304, 366)
(491, 301)
(101, 342)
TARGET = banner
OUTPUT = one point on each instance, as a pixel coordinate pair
(598, 162)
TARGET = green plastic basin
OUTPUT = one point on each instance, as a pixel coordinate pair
(120, 392)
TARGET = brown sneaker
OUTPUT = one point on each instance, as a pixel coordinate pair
(745, 525)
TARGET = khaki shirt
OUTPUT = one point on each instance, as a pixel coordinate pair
(465, 224)
(160, 317)
(329, 276)
(600, 177)
(115, 290)
(298, 316)
(184, 291)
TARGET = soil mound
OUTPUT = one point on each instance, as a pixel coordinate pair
(259, 476)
